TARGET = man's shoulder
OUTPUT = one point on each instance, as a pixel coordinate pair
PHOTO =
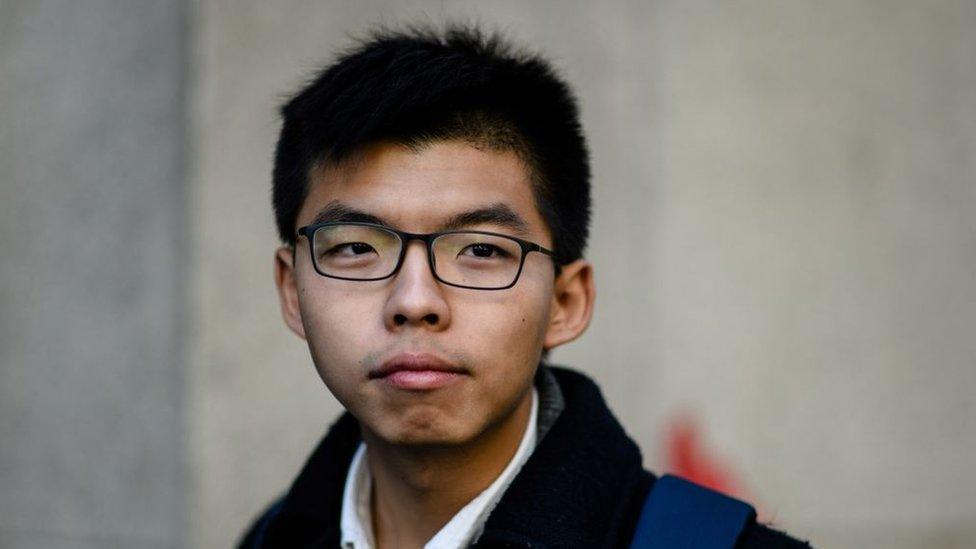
(254, 536)
(754, 535)
(311, 507)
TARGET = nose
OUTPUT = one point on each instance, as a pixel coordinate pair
(416, 298)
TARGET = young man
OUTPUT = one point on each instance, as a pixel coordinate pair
(432, 193)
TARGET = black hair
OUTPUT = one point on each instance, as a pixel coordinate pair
(419, 85)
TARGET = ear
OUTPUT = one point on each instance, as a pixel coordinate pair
(572, 304)
(284, 273)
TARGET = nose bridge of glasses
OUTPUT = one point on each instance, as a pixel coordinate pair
(425, 245)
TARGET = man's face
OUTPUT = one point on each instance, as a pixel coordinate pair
(354, 329)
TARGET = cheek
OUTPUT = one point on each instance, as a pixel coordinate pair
(337, 325)
(508, 328)
(533, 308)
(509, 336)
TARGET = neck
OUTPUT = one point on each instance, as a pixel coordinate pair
(417, 490)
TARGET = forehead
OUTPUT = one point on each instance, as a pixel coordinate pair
(417, 189)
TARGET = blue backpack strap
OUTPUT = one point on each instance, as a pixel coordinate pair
(680, 513)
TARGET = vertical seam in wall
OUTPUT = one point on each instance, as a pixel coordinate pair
(183, 267)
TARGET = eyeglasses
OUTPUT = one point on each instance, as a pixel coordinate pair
(467, 259)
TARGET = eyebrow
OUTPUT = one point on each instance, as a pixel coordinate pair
(499, 214)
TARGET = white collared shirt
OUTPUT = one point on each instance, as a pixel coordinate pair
(464, 528)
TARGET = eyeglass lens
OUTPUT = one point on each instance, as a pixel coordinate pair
(361, 252)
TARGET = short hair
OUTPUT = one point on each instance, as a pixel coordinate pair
(419, 85)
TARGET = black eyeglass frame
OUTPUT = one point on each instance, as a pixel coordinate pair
(308, 232)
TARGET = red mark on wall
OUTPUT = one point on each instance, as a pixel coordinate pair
(688, 456)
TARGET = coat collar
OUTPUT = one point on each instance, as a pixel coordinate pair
(582, 486)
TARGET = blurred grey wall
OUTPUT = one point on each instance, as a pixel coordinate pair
(784, 242)
(92, 251)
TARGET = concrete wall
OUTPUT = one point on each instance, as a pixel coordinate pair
(784, 242)
(92, 241)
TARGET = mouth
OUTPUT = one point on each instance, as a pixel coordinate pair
(417, 372)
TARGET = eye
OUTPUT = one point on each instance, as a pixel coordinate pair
(483, 250)
(350, 249)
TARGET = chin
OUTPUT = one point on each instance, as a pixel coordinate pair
(422, 430)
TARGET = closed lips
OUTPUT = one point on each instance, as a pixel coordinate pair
(414, 363)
